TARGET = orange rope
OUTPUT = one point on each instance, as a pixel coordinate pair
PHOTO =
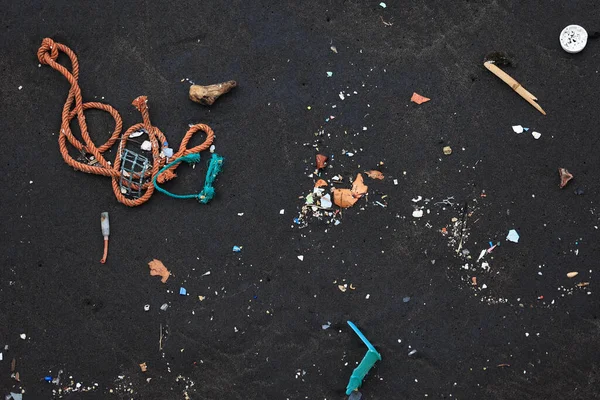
(75, 107)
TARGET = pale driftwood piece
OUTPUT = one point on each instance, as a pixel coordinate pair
(207, 95)
(516, 86)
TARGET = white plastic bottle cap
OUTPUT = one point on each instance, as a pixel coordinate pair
(573, 39)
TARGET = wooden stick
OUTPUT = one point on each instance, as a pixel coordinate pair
(516, 86)
(207, 95)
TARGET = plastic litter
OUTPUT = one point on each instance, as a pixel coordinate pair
(447, 150)
(513, 236)
(321, 160)
(572, 274)
(105, 225)
(326, 326)
(565, 177)
(157, 268)
(417, 98)
(164, 307)
(356, 395)
(573, 39)
(182, 291)
(579, 191)
(412, 352)
(237, 249)
(147, 307)
(16, 396)
(536, 135)
(370, 358)
(382, 5)
(406, 299)
(517, 128)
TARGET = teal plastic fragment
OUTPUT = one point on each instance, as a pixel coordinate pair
(208, 191)
(370, 358)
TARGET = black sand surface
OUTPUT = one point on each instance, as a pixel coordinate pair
(258, 332)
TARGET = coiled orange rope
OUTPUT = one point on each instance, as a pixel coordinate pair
(75, 107)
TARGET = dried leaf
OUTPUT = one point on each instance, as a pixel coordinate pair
(17, 377)
(157, 268)
(13, 365)
(344, 198)
(143, 367)
(565, 177)
(582, 284)
(503, 365)
(320, 183)
(321, 160)
(374, 174)
(417, 98)
(572, 274)
(358, 187)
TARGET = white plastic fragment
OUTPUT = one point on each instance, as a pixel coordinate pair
(513, 236)
(481, 255)
(23, 336)
(536, 135)
(168, 152)
(326, 326)
(301, 258)
(164, 307)
(326, 201)
(212, 148)
(136, 134)
(282, 211)
(517, 128)
(382, 5)
(146, 146)
(417, 213)
(341, 96)
(147, 307)
(573, 39)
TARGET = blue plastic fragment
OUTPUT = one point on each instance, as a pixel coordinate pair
(182, 291)
(237, 249)
(370, 358)
(48, 378)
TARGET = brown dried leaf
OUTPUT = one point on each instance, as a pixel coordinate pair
(374, 174)
(344, 198)
(157, 268)
(17, 377)
(13, 365)
(358, 187)
(320, 183)
(321, 160)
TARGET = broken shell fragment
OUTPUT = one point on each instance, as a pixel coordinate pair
(565, 177)
(447, 150)
(572, 274)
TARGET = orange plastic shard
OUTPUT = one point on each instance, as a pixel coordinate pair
(157, 268)
(320, 183)
(417, 98)
(321, 160)
(358, 187)
(374, 174)
(343, 198)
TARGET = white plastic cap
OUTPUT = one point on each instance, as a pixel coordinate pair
(573, 39)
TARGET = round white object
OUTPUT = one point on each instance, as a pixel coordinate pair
(573, 39)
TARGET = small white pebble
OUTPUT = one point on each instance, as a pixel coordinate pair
(282, 211)
(23, 336)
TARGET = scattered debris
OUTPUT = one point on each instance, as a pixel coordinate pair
(157, 268)
(513, 236)
(105, 225)
(417, 213)
(565, 177)
(356, 395)
(517, 128)
(572, 274)
(447, 150)
(207, 95)
(146, 145)
(182, 291)
(573, 39)
(334, 49)
(382, 5)
(326, 326)
(374, 174)
(329, 74)
(417, 98)
(412, 352)
(370, 358)
(237, 249)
